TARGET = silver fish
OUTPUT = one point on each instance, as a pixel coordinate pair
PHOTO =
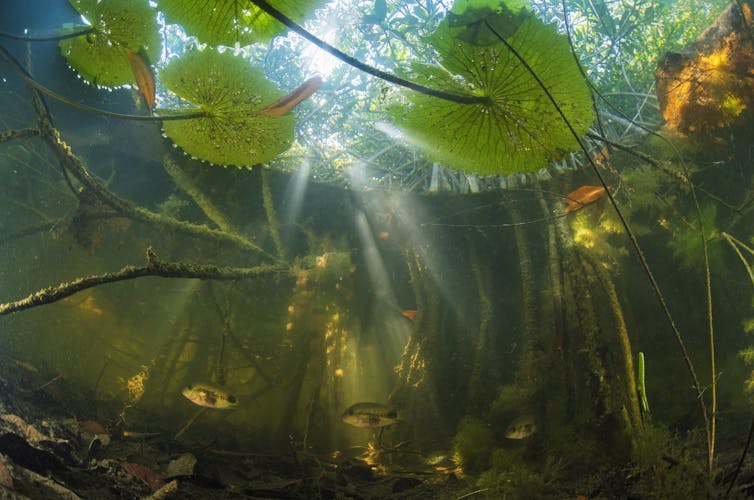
(522, 427)
(370, 415)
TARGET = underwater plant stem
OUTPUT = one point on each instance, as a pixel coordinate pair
(632, 237)
(188, 186)
(9, 135)
(269, 210)
(740, 460)
(29, 80)
(735, 244)
(153, 267)
(530, 320)
(642, 387)
(190, 422)
(623, 339)
(51, 38)
(351, 61)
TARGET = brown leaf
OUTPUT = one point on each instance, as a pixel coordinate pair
(287, 102)
(6, 480)
(147, 475)
(144, 76)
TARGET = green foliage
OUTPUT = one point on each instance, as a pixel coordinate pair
(231, 92)
(511, 477)
(666, 467)
(519, 129)
(472, 445)
(687, 242)
(227, 22)
(620, 42)
(100, 57)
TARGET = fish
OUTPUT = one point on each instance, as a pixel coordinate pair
(370, 415)
(210, 397)
(522, 427)
(288, 101)
(410, 313)
(583, 196)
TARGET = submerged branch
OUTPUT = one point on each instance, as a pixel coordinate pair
(153, 267)
(18, 134)
(71, 165)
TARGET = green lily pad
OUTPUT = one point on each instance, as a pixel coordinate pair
(518, 130)
(231, 92)
(100, 57)
(227, 22)
(474, 15)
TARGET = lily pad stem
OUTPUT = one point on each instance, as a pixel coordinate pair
(27, 78)
(52, 38)
(389, 77)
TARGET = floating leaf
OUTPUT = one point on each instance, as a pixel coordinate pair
(519, 129)
(474, 15)
(101, 57)
(227, 22)
(232, 93)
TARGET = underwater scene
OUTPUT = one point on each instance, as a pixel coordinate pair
(454, 249)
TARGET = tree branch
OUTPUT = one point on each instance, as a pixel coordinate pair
(153, 267)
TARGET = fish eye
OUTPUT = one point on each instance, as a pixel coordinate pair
(189, 387)
(232, 399)
(392, 414)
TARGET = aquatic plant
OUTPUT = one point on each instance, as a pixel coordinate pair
(472, 445)
(231, 94)
(101, 56)
(517, 126)
(687, 245)
(232, 22)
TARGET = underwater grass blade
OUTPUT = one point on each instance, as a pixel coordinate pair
(737, 245)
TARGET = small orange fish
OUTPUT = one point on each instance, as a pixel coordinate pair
(583, 196)
(143, 74)
(287, 102)
(410, 313)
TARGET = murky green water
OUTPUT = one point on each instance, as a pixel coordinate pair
(458, 265)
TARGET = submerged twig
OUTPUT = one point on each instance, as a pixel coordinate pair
(154, 267)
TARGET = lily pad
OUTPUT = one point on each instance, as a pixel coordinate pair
(518, 129)
(227, 22)
(231, 92)
(101, 57)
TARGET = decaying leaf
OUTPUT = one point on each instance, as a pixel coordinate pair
(289, 101)
(145, 474)
(144, 76)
